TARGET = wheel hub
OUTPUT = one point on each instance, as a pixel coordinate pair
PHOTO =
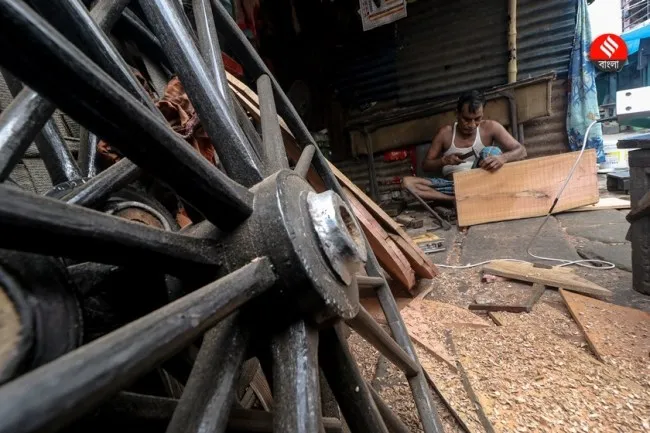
(313, 242)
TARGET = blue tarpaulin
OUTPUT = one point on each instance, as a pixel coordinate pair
(633, 38)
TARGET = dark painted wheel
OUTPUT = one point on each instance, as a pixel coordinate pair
(149, 326)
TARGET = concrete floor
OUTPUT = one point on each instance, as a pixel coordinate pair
(569, 236)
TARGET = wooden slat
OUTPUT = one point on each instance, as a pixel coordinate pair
(388, 254)
(554, 277)
(611, 330)
(607, 203)
(422, 269)
(525, 189)
(409, 248)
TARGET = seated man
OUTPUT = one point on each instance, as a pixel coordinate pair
(469, 143)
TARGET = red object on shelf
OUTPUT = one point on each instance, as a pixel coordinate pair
(396, 155)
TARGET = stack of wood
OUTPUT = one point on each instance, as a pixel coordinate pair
(396, 252)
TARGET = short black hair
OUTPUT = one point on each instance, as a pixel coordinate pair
(473, 99)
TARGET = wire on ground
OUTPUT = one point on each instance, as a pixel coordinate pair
(585, 263)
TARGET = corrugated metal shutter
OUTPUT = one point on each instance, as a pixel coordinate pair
(446, 48)
(441, 48)
(545, 32)
(548, 136)
(388, 174)
(366, 67)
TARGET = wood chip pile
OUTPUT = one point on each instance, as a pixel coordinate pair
(573, 364)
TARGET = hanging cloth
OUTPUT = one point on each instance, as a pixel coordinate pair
(583, 99)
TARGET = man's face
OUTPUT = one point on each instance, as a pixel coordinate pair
(468, 121)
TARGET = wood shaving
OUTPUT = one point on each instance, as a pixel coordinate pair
(530, 380)
(451, 387)
(611, 330)
(550, 314)
(10, 329)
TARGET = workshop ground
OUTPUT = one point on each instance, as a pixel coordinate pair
(536, 372)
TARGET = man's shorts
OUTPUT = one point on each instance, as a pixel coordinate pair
(447, 186)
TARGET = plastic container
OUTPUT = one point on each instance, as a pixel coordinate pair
(614, 157)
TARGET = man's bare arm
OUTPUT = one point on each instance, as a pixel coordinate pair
(513, 150)
(433, 161)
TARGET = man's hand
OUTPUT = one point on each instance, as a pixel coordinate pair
(493, 163)
(451, 159)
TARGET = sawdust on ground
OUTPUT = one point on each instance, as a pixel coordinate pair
(10, 329)
(529, 381)
(394, 389)
(451, 388)
(549, 313)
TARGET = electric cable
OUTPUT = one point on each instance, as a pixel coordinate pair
(586, 263)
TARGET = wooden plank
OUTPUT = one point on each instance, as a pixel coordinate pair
(611, 331)
(607, 203)
(497, 307)
(373, 307)
(526, 307)
(538, 291)
(437, 351)
(422, 269)
(525, 189)
(555, 277)
(426, 320)
(497, 321)
(446, 401)
(388, 223)
(388, 254)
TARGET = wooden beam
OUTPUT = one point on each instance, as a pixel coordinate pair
(554, 277)
(525, 189)
(387, 252)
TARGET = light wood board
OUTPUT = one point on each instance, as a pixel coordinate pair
(525, 189)
(555, 277)
(607, 203)
(388, 254)
(611, 330)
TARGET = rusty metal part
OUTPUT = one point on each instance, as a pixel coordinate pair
(141, 213)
